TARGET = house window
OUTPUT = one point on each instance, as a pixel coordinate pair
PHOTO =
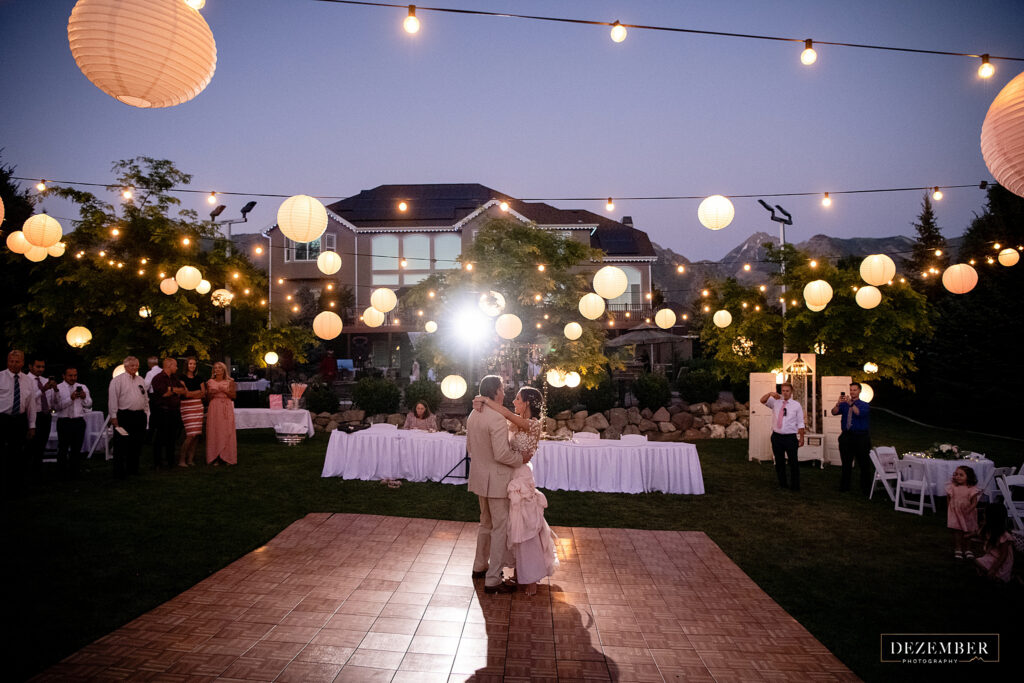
(308, 251)
(386, 280)
(385, 252)
(446, 250)
(410, 279)
(416, 250)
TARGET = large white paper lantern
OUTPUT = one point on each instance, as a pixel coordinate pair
(430, 327)
(816, 309)
(145, 311)
(960, 278)
(328, 262)
(877, 269)
(665, 318)
(222, 298)
(36, 254)
(573, 331)
(1002, 136)
(572, 379)
(78, 336)
(453, 386)
(17, 243)
(870, 367)
(383, 299)
(327, 325)
(119, 370)
(610, 282)
(491, 303)
(302, 218)
(1009, 257)
(188, 277)
(817, 293)
(866, 392)
(204, 287)
(2, 210)
(716, 212)
(372, 317)
(508, 326)
(57, 250)
(591, 306)
(42, 231)
(555, 378)
(868, 297)
(156, 53)
(168, 286)
(271, 358)
(722, 318)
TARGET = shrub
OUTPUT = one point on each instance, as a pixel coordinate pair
(697, 386)
(652, 391)
(423, 390)
(600, 398)
(320, 398)
(561, 398)
(741, 391)
(376, 395)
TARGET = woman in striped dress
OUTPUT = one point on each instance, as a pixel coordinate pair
(191, 412)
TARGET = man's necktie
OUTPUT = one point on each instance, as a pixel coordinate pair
(778, 423)
(16, 405)
(45, 403)
(849, 417)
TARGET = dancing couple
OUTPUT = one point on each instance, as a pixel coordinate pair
(513, 532)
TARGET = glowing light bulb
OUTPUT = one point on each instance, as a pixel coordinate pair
(705, 292)
(41, 186)
(938, 252)
(808, 56)
(997, 245)
(610, 205)
(402, 206)
(114, 232)
(826, 201)
(280, 280)
(746, 267)
(403, 264)
(618, 32)
(536, 297)
(680, 269)
(814, 264)
(186, 241)
(540, 267)
(986, 70)
(411, 23)
(295, 309)
(763, 288)
(246, 290)
(144, 261)
(103, 253)
(331, 304)
(503, 206)
(330, 287)
(937, 194)
(212, 199)
(469, 266)
(258, 250)
(431, 294)
(127, 193)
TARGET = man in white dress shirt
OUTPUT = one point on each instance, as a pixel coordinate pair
(153, 369)
(787, 433)
(17, 419)
(46, 397)
(128, 407)
(73, 400)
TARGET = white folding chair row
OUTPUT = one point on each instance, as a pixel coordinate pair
(1014, 506)
(989, 491)
(912, 479)
(884, 459)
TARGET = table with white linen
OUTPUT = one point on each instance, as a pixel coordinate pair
(94, 421)
(597, 465)
(940, 472)
(256, 385)
(266, 418)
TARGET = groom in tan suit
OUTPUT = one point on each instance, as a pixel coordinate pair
(490, 469)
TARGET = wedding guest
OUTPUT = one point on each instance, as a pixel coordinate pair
(17, 419)
(962, 510)
(128, 407)
(191, 411)
(787, 433)
(73, 401)
(221, 445)
(855, 438)
(420, 417)
(997, 562)
(414, 374)
(165, 411)
(152, 370)
(46, 398)
(329, 368)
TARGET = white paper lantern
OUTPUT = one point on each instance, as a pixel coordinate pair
(17, 243)
(119, 370)
(78, 336)
(508, 326)
(57, 250)
(168, 286)
(866, 392)
(327, 325)
(302, 218)
(572, 379)
(591, 306)
(383, 299)
(373, 318)
(573, 331)
(960, 278)
(1009, 257)
(610, 282)
(145, 311)
(868, 297)
(42, 231)
(1002, 136)
(722, 318)
(204, 287)
(271, 358)
(188, 277)
(716, 212)
(877, 269)
(157, 53)
(453, 386)
(555, 378)
(817, 293)
(328, 262)
(222, 298)
(2, 210)
(491, 303)
(35, 254)
(816, 309)
(870, 367)
(665, 318)
(430, 327)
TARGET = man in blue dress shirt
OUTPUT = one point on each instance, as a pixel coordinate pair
(855, 439)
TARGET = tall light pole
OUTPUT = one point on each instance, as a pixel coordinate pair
(783, 220)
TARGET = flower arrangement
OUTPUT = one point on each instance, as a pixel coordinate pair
(944, 451)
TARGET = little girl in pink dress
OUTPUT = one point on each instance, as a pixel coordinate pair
(962, 510)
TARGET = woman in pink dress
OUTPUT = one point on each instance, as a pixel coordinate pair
(221, 445)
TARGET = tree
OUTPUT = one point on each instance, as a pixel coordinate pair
(15, 269)
(929, 256)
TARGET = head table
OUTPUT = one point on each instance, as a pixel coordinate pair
(593, 465)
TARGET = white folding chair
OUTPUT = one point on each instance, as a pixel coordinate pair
(884, 459)
(912, 478)
(1014, 506)
(989, 490)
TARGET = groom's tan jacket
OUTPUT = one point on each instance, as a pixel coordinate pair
(491, 459)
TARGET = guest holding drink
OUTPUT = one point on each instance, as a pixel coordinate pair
(221, 445)
(420, 417)
(191, 412)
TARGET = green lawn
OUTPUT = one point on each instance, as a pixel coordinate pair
(84, 558)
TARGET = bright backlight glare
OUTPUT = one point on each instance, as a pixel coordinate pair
(473, 326)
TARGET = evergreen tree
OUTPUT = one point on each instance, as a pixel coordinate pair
(14, 268)
(929, 257)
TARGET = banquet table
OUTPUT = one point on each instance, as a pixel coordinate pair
(266, 418)
(941, 471)
(593, 465)
(94, 421)
(257, 385)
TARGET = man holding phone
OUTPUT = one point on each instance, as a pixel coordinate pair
(73, 400)
(855, 438)
(787, 433)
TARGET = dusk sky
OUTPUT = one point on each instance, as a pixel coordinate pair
(327, 99)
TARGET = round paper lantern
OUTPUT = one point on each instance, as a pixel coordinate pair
(145, 312)
(508, 326)
(17, 243)
(373, 318)
(868, 297)
(78, 336)
(222, 298)
(722, 318)
(817, 293)
(35, 254)
(328, 262)
(383, 299)
(610, 282)
(572, 379)
(302, 218)
(204, 287)
(1009, 257)
(877, 269)
(555, 378)
(871, 367)
(271, 358)
(157, 53)
(119, 370)
(168, 286)
(1002, 136)
(960, 278)
(866, 392)
(58, 250)
(816, 309)
(188, 277)
(591, 306)
(1, 210)
(665, 318)
(430, 327)
(42, 231)
(491, 303)
(573, 331)
(327, 325)
(453, 386)
(716, 212)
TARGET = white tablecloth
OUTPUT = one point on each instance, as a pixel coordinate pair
(940, 472)
(94, 420)
(605, 465)
(257, 385)
(265, 418)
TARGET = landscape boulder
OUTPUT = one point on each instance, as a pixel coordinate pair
(736, 431)
(597, 421)
(682, 420)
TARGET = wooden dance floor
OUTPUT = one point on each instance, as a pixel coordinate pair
(338, 597)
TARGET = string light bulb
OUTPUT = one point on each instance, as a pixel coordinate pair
(114, 232)
(411, 23)
(126, 193)
(808, 56)
(936, 194)
(986, 70)
(41, 186)
(618, 32)
(826, 201)
(680, 269)
(469, 266)
(503, 206)
(938, 252)
(540, 267)
(258, 250)
(403, 264)
(212, 199)
(610, 205)
(403, 207)
(746, 267)
(185, 241)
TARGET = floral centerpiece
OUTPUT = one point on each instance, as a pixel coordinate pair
(945, 451)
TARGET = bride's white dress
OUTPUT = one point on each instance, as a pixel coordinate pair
(529, 536)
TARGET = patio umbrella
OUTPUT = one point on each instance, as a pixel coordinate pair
(644, 333)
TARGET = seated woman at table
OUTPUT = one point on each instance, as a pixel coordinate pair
(221, 445)
(191, 412)
(420, 417)
(529, 536)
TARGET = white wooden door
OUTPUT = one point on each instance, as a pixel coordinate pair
(831, 387)
(760, 432)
